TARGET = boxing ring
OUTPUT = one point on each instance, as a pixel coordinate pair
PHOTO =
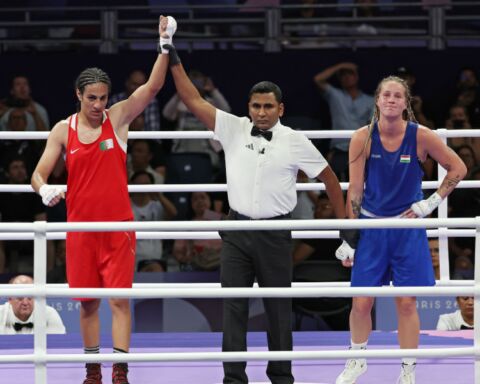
(318, 357)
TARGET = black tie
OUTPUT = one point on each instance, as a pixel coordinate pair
(19, 326)
(465, 327)
(261, 132)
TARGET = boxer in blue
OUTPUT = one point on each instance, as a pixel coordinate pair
(385, 181)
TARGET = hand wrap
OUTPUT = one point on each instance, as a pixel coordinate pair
(345, 252)
(170, 31)
(48, 193)
(423, 208)
(350, 239)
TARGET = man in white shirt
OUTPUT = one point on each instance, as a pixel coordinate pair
(460, 319)
(262, 159)
(17, 314)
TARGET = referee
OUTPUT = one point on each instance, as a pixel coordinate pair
(262, 159)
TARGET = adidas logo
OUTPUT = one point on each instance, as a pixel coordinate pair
(249, 146)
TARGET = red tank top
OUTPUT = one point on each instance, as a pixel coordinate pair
(97, 184)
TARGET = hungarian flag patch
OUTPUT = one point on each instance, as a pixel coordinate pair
(106, 144)
(404, 158)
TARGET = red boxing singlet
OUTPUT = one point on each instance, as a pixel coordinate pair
(97, 184)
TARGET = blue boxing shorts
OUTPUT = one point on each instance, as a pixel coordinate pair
(398, 255)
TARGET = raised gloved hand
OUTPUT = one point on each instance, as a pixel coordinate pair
(50, 194)
(166, 30)
(346, 251)
(423, 208)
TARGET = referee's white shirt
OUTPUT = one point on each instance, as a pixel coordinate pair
(8, 319)
(261, 174)
(452, 322)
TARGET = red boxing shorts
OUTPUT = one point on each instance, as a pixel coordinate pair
(100, 260)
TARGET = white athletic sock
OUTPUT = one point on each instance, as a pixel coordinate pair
(358, 346)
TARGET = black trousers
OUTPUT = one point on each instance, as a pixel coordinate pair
(266, 256)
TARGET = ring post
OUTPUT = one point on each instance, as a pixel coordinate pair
(476, 313)
(40, 318)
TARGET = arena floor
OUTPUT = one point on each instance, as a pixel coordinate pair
(380, 371)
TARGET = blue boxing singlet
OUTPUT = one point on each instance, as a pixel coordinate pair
(393, 180)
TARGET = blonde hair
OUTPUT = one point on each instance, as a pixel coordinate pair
(407, 114)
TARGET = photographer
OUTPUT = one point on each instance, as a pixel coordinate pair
(459, 119)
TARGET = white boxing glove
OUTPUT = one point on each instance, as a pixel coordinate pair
(345, 252)
(170, 31)
(423, 208)
(49, 192)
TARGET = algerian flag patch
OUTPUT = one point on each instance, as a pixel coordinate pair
(404, 158)
(106, 144)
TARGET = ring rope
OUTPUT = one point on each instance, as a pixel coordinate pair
(325, 234)
(222, 292)
(238, 225)
(327, 134)
(222, 187)
(242, 356)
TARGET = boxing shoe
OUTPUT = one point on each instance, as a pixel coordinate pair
(353, 369)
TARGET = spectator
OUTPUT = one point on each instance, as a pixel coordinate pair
(459, 119)
(29, 150)
(58, 274)
(468, 94)
(176, 111)
(466, 201)
(350, 108)
(460, 319)
(463, 267)
(199, 255)
(21, 97)
(467, 154)
(140, 158)
(434, 251)
(135, 79)
(318, 249)
(20, 207)
(17, 314)
(156, 147)
(306, 200)
(150, 207)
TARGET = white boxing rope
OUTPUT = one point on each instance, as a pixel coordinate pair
(325, 134)
(244, 356)
(165, 188)
(221, 292)
(5, 289)
(238, 225)
(215, 236)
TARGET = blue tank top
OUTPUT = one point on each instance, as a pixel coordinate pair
(393, 180)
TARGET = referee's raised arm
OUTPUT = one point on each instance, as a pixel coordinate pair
(202, 109)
